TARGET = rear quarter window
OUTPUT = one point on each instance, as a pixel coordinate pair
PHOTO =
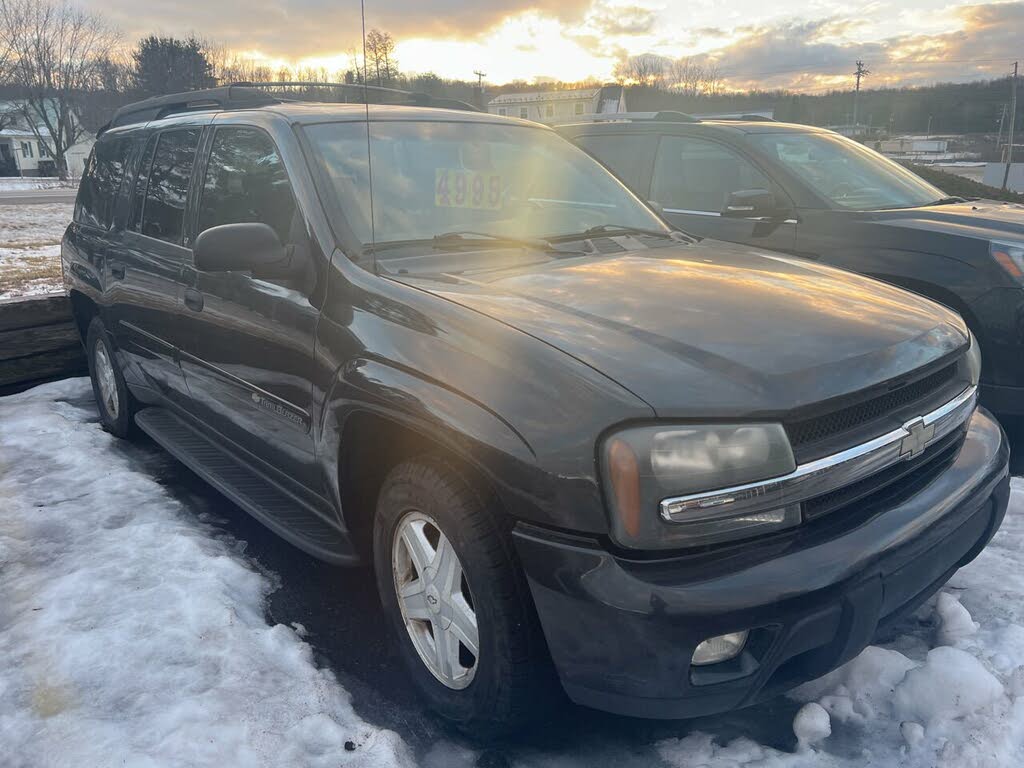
(97, 194)
(163, 207)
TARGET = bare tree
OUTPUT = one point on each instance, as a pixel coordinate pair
(56, 51)
(380, 54)
(646, 69)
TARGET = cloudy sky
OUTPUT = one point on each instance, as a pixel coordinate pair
(807, 45)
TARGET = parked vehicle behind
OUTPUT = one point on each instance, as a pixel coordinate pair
(679, 477)
(813, 193)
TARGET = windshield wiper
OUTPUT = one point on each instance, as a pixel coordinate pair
(459, 239)
(603, 229)
(950, 200)
(469, 237)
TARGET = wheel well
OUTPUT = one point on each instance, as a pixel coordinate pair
(83, 309)
(371, 446)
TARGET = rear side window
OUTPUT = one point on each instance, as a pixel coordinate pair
(620, 154)
(698, 175)
(97, 193)
(163, 210)
(246, 181)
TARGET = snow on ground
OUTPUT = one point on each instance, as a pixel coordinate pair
(30, 248)
(130, 634)
(949, 693)
(29, 183)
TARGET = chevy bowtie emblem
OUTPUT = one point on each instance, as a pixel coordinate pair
(920, 434)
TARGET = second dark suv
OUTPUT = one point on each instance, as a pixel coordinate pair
(813, 193)
(577, 447)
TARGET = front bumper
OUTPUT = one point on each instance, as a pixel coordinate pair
(622, 632)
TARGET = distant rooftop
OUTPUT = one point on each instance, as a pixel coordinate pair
(518, 98)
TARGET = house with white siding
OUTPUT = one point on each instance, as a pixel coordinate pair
(555, 107)
(25, 152)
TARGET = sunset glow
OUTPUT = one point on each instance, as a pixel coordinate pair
(789, 44)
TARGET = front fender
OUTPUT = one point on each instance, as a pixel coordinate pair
(455, 423)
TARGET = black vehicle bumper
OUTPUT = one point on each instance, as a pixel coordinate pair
(622, 632)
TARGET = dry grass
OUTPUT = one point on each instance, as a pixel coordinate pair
(30, 248)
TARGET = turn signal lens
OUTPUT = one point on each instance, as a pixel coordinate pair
(1010, 257)
(718, 649)
(624, 473)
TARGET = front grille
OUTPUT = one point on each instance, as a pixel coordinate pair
(893, 484)
(821, 428)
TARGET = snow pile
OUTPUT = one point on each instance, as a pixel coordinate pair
(30, 238)
(132, 634)
(959, 704)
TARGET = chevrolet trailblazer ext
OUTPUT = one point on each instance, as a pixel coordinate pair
(679, 477)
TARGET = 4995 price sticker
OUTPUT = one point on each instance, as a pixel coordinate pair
(456, 188)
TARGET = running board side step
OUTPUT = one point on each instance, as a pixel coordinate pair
(284, 514)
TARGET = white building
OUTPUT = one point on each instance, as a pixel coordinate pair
(994, 173)
(24, 152)
(554, 107)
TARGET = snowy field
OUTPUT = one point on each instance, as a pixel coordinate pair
(134, 632)
(30, 247)
(18, 183)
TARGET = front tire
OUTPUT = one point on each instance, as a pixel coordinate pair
(456, 602)
(116, 405)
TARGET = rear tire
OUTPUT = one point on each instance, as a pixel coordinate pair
(510, 680)
(116, 405)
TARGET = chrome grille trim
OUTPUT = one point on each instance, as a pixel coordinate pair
(826, 474)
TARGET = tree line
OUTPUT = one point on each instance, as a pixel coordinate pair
(65, 70)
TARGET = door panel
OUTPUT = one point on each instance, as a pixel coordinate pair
(692, 179)
(247, 350)
(145, 260)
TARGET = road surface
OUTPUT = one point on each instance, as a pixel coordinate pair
(37, 196)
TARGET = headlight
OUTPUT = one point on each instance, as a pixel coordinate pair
(641, 466)
(1010, 257)
(974, 361)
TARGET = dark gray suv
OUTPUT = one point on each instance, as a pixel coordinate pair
(577, 447)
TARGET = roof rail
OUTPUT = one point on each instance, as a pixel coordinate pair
(665, 116)
(225, 97)
(380, 94)
(746, 118)
(248, 95)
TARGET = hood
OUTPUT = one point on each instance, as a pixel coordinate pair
(715, 329)
(986, 219)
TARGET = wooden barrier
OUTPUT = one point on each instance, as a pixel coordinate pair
(39, 342)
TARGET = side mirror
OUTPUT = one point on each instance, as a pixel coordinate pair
(237, 248)
(750, 204)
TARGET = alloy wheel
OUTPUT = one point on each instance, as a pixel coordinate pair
(435, 600)
(106, 380)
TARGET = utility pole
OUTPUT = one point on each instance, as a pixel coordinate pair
(480, 75)
(999, 136)
(1013, 121)
(861, 72)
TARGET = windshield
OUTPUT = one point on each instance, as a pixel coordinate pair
(848, 174)
(433, 178)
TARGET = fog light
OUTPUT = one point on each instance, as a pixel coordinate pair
(721, 648)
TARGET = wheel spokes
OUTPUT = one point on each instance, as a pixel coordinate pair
(434, 600)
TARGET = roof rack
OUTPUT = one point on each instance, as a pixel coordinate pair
(225, 97)
(754, 118)
(381, 94)
(665, 116)
(249, 95)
